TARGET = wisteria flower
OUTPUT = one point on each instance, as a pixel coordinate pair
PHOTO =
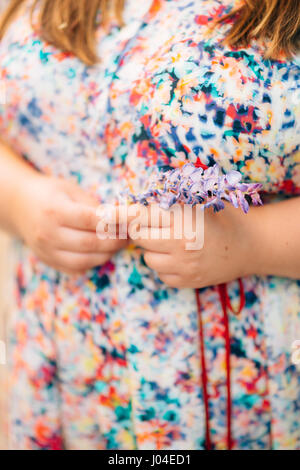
(192, 185)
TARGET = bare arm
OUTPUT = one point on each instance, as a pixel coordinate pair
(15, 173)
(274, 231)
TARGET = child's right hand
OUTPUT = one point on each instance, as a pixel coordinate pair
(57, 220)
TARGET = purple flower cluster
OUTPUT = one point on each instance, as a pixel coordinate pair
(192, 185)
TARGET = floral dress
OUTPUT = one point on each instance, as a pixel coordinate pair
(114, 359)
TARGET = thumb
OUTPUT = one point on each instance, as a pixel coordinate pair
(78, 194)
(121, 214)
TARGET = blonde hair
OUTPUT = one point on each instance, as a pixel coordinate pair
(277, 21)
(68, 24)
(71, 24)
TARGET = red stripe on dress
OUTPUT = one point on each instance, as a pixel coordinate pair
(204, 373)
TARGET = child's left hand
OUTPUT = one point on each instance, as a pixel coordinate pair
(226, 255)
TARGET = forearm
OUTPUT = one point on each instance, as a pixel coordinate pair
(15, 173)
(275, 239)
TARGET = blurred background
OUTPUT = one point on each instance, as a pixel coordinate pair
(4, 256)
(4, 314)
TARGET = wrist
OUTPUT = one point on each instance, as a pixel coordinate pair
(25, 192)
(16, 179)
(255, 263)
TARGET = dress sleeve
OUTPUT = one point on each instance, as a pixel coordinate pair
(245, 114)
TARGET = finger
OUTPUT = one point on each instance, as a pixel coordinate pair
(152, 239)
(144, 216)
(78, 216)
(160, 262)
(111, 231)
(79, 241)
(158, 217)
(121, 214)
(80, 262)
(171, 280)
(150, 216)
(80, 195)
